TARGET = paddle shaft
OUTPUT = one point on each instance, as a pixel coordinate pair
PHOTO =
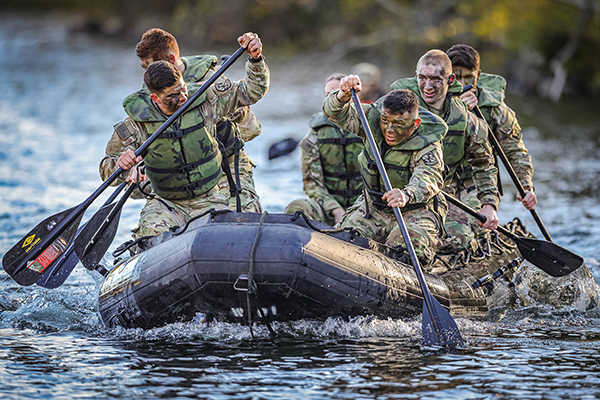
(57, 230)
(513, 175)
(427, 296)
(475, 214)
(113, 212)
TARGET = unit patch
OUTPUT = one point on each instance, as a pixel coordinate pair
(429, 159)
(223, 86)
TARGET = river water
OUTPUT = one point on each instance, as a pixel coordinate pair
(60, 96)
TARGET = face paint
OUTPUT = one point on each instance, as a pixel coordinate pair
(433, 84)
(466, 76)
(396, 127)
(171, 98)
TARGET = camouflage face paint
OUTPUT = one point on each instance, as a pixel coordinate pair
(396, 127)
(466, 76)
(433, 85)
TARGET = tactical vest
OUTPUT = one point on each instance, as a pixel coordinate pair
(339, 150)
(490, 93)
(455, 117)
(197, 66)
(184, 161)
(396, 159)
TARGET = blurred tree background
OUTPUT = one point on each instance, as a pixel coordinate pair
(547, 47)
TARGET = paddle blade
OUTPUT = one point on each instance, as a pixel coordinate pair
(448, 334)
(16, 262)
(548, 256)
(90, 250)
(282, 148)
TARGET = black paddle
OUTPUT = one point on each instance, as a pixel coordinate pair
(99, 232)
(26, 261)
(282, 148)
(549, 257)
(59, 270)
(439, 328)
(513, 175)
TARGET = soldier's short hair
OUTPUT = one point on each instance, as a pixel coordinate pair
(463, 55)
(161, 75)
(400, 101)
(336, 76)
(157, 44)
(436, 57)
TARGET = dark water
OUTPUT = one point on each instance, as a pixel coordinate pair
(60, 95)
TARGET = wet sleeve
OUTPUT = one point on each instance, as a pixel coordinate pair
(122, 139)
(344, 115)
(312, 173)
(510, 137)
(427, 176)
(225, 96)
(478, 153)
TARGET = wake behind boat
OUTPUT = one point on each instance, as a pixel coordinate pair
(237, 267)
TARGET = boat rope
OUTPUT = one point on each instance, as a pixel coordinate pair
(298, 214)
(178, 231)
(252, 287)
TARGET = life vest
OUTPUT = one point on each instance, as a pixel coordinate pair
(197, 66)
(339, 150)
(396, 159)
(490, 93)
(456, 117)
(184, 161)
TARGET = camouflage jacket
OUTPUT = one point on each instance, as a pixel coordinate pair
(198, 68)
(223, 98)
(503, 122)
(426, 164)
(477, 150)
(313, 175)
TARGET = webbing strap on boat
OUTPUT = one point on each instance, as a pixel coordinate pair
(252, 288)
(353, 232)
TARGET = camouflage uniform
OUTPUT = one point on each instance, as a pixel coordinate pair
(420, 177)
(503, 123)
(330, 170)
(465, 142)
(198, 68)
(222, 98)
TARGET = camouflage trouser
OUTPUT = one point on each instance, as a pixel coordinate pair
(158, 215)
(248, 197)
(424, 226)
(460, 226)
(311, 208)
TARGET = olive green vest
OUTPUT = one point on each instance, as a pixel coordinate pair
(455, 116)
(339, 150)
(396, 159)
(184, 162)
(197, 66)
(490, 94)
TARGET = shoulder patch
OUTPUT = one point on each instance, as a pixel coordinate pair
(429, 159)
(308, 142)
(223, 86)
(125, 129)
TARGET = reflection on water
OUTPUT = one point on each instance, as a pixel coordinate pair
(61, 95)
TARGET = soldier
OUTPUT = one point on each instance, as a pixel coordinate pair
(465, 142)
(184, 164)
(488, 92)
(330, 170)
(409, 140)
(239, 127)
(370, 79)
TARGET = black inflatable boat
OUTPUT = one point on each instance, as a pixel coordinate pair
(277, 267)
